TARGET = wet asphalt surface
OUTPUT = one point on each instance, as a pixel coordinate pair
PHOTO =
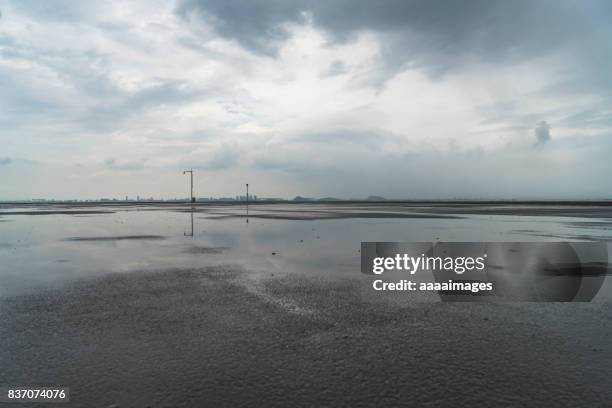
(208, 337)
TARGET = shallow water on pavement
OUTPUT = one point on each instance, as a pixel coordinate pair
(48, 246)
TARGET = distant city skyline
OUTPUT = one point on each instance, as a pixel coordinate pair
(405, 99)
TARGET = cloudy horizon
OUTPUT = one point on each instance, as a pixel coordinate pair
(402, 99)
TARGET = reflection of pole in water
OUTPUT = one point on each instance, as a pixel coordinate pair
(190, 234)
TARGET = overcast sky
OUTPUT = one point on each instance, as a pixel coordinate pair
(346, 98)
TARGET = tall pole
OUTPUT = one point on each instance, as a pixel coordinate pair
(247, 203)
(191, 197)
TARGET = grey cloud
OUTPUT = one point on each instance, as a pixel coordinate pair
(113, 164)
(512, 173)
(256, 24)
(337, 67)
(17, 161)
(276, 163)
(322, 153)
(503, 111)
(213, 159)
(339, 138)
(590, 118)
(223, 160)
(19, 98)
(438, 34)
(53, 10)
(291, 163)
(121, 106)
(23, 102)
(542, 132)
(88, 74)
(443, 36)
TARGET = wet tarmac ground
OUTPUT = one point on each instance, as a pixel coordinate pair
(141, 306)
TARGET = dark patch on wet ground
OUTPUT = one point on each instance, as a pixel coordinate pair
(528, 210)
(57, 212)
(448, 210)
(117, 238)
(565, 237)
(204, 337)
(334, 215)
(591, 224)
(342, 209)
(204, 250)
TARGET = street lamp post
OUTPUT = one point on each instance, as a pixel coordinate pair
(192, 198)
(247, 203)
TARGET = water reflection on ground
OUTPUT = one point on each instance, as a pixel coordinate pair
(46, 246)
